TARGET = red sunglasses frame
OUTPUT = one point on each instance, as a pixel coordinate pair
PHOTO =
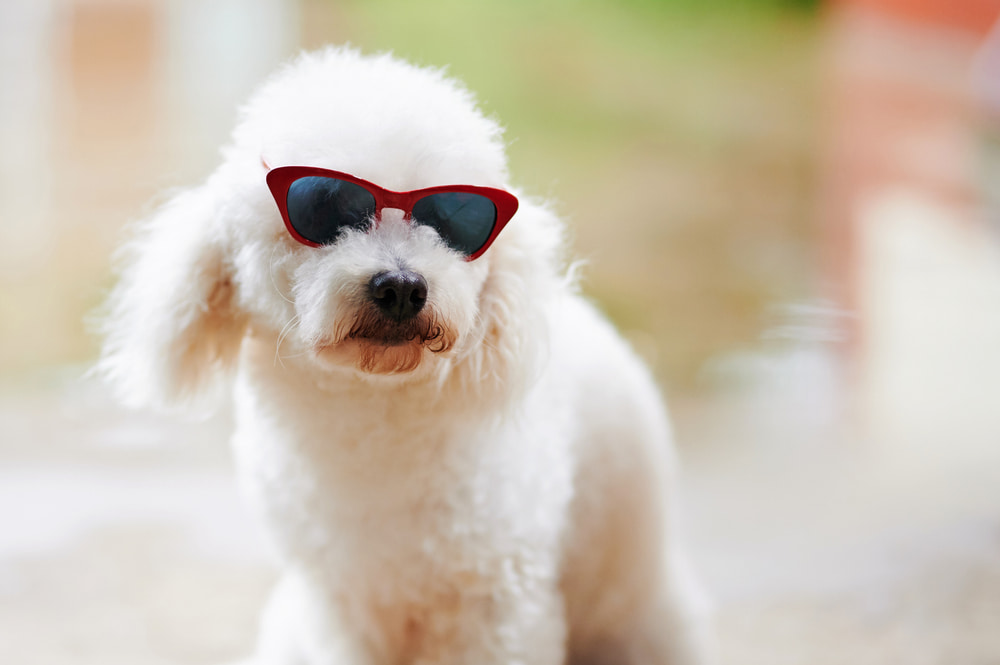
(280, 179)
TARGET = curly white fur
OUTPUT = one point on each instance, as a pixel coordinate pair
(498, 493)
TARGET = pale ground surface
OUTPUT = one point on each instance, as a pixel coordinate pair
(122, 540)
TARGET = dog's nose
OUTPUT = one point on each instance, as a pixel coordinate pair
(400, 294)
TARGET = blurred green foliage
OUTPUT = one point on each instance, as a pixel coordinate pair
(714, 5)
(676, 136)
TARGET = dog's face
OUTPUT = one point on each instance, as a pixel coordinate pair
(389, 299)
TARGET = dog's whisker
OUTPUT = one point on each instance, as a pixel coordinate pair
(285, 331)
(281, 338)
(270, 273)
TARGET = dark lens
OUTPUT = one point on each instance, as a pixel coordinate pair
(319, 207)
(465, 221)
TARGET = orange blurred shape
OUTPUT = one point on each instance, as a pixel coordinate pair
(971, 15)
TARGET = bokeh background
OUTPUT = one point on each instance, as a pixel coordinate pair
(790, 208)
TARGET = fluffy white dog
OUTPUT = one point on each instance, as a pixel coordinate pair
(460, 462)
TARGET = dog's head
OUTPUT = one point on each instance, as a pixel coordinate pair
(385, 300)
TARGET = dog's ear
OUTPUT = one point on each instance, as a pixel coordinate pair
(172, 327)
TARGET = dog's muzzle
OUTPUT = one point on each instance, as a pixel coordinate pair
(390, 330)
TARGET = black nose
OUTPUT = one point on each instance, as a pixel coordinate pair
(400, 294)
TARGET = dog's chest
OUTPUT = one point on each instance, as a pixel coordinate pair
(368, 498)
(400, 512)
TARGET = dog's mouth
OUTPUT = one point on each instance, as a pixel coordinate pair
(375, 328)
(376, 344)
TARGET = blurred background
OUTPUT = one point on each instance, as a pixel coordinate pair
(790, 208)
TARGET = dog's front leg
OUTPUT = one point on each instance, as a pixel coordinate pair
(300, 627)
(510, 627)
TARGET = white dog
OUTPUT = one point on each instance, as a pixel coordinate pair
(459, 460)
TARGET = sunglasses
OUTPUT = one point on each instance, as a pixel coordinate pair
(318, 204)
